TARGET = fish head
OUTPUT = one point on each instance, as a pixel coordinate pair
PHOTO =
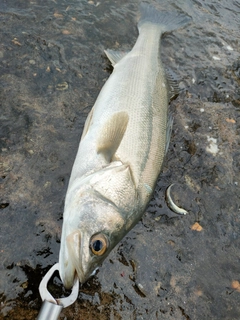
(98, 213)
(88, 237)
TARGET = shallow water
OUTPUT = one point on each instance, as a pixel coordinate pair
(52, 69)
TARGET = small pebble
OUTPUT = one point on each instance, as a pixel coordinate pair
(196, 227)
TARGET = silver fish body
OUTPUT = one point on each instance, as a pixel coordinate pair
(120, 153)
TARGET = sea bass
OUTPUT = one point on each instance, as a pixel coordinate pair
(121, 151)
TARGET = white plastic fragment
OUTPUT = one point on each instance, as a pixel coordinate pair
(212, 146)
(230, 48)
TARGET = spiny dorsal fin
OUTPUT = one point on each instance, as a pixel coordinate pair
(115, 56)
(112, 134)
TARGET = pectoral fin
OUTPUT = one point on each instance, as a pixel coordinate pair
(112, 134)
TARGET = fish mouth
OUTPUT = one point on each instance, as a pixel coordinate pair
(71, 260)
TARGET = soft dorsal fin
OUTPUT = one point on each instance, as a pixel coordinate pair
(115, 56)
(112, 134)
(172, 82)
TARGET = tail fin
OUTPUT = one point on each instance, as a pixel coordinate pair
(167, 21)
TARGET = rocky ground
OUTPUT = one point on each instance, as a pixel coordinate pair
(52, 69)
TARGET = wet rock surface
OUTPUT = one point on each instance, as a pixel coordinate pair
(52, 69)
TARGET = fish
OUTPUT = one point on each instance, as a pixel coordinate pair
(121, 151)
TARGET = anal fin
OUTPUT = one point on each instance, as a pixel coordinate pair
(115, 56)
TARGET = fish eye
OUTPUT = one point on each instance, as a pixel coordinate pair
(98, 244)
